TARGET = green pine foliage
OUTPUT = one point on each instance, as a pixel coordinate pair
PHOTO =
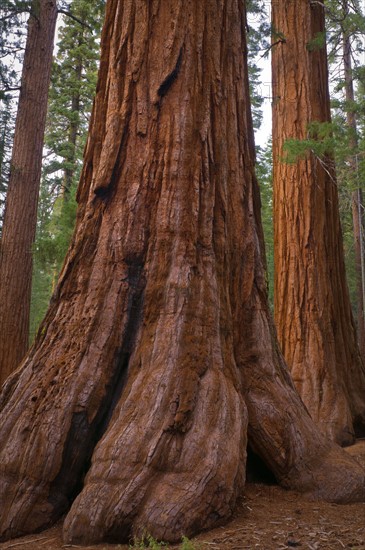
(347, 20)
(13, 17)
(148, 542)
(71, 96)
(345, 16)
(73, 88)
(321, 141)
(264, 176)
(7, 118)
(318, 42)
(258, 33)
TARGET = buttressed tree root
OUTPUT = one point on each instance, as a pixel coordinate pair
(157, 357)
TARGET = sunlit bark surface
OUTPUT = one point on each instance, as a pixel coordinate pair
(312, 308)
(158, 346)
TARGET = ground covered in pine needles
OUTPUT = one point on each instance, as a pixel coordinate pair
(267, 518)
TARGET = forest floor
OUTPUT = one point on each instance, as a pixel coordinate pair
(267, 518)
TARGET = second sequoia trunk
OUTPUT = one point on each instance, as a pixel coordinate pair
(312, 307)
(158, 346)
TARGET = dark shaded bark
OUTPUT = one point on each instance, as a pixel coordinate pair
(158, 340)
(20, 217)
(312, 308)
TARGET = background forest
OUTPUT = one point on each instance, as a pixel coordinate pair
(73, 80)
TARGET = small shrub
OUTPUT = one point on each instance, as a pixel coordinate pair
(147, 541)
(187, 544)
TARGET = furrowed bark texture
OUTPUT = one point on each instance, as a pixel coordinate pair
(159, 330)
(22, 196)
(312, 307)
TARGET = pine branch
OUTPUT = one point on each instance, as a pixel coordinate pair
(13, 13)
(10, 89)
(69, 14)
(280, 41)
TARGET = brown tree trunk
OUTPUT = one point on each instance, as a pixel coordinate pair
(158, 340)
(357, 201)
(312, 308)
(22, 196)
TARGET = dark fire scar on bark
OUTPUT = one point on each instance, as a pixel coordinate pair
(103, 189)
(170, 79)
(83, 437)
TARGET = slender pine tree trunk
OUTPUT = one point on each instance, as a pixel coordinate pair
(20, 217)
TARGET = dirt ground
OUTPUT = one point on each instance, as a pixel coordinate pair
(267, 518)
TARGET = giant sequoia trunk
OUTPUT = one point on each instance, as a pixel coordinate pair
(22, 196)
(158, 347)
(312, 308)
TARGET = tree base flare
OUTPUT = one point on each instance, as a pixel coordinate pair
(167, 482)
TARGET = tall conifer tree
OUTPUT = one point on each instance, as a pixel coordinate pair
(312, 307)
(20, 216)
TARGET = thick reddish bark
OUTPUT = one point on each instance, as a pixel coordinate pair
(159, 331)
(312, 308)
(22, 196)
